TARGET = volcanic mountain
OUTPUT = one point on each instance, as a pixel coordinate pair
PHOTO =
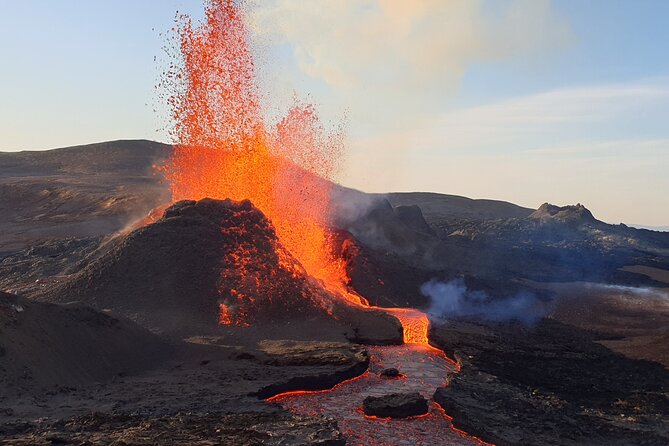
(202, 263)
(577, 214)
(67, 221)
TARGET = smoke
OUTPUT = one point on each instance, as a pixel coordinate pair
(389, 62)
(453, 299)
(642, 296)
(349, 205)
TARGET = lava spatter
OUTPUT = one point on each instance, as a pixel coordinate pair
(225, 149)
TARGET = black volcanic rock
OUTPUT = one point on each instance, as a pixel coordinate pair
(550, 385)
(380, 227)
(238, 429)
(178, 270)
(412, 216)
(346, 361)
(208, 261)
(390, 373)
(43, 344)
(395, 405)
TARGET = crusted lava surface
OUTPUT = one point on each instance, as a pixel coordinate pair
(550, 385)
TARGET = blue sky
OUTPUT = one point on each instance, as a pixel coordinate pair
(521, 100)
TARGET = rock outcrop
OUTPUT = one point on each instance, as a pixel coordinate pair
(395, 405)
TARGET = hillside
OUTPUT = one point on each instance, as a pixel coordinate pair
(58, 206)
(83, 191)
(532, 333)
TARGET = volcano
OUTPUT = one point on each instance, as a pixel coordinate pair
(211, 262)
(248, 299)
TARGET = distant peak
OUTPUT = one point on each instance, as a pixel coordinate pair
(566, 214)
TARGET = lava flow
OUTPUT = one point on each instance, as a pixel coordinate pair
(424, 368)
(225, 149)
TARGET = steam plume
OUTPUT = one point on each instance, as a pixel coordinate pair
(453, 299)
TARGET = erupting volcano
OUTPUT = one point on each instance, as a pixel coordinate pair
(223, 287)
(226, 150)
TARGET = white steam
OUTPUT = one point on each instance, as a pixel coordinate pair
(453, 299)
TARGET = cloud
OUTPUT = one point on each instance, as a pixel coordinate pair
(392, 62)
(606, 146)
(555, 116)
(395, 66)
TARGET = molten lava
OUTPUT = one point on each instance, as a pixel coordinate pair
(226, 150)
(424, 368)
(414, 323)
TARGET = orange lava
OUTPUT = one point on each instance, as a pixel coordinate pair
(425, 369)
(414, 323)
(225, 149)
(292, 393)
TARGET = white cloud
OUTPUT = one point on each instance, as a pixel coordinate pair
(392, 62)
(542, 119)
(606, 146)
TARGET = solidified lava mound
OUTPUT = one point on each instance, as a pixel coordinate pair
(43, 344)
(198, 256)
(202, 263)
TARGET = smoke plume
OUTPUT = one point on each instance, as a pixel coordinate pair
(453, 299)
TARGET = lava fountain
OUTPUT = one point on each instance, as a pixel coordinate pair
(225, 149)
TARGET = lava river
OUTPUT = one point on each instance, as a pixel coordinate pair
(423, 369)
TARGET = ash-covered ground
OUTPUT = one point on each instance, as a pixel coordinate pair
(109, 331)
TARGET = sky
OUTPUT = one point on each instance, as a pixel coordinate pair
(527, 101)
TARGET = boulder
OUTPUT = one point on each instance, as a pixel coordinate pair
(395, 405)
(390, 373)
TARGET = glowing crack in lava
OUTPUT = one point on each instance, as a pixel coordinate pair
(225, 149)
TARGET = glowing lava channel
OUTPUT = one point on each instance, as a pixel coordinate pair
(424, 368)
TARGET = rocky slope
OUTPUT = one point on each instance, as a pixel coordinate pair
(45, 345)
(550, 385)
